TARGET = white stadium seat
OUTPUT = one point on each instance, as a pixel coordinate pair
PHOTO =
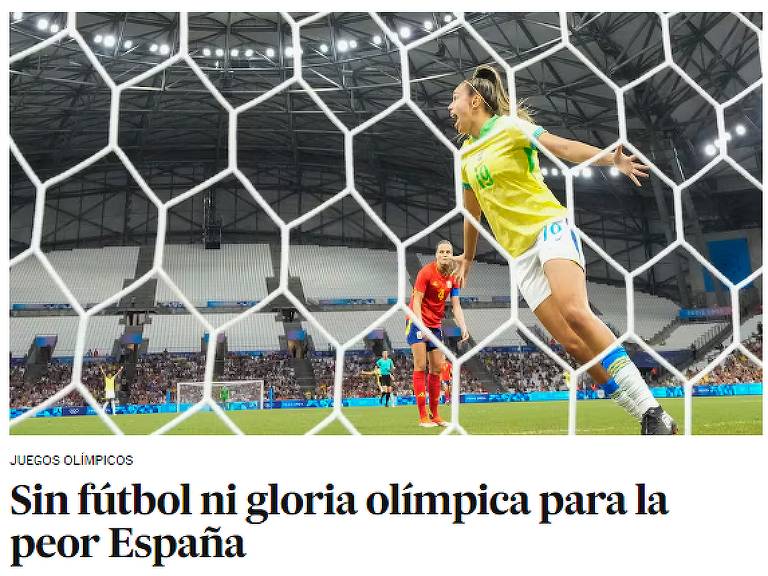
(331, 272)
(91, 274)
(182, 332)
(235, 272)
(101, 334)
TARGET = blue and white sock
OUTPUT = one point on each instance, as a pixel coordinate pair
(626, 385)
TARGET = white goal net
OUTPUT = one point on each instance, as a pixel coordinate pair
(190, 393)
(243, 392)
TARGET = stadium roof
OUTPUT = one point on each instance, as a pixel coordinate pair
(175, 132)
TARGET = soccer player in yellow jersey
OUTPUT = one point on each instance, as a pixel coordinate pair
(502, 179)
(109, 388)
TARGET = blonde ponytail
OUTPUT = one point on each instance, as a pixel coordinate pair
(489, 85)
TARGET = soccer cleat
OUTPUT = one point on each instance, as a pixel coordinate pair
(426, 423)
(656, 422)
(440, 422)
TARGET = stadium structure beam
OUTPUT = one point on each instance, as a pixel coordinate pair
(522, 34)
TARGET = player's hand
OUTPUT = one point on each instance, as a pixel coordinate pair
(461, 271)
(464, 336)
(629, 166)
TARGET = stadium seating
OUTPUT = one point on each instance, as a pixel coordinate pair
(333, 272)
(611, 301)
(481, 323)
(234, 272)
(92, 275)
(237, 272)
(182, 332)
(685, 335)
(344, 325)
(101, 334)
(749, 328)
(652, 313)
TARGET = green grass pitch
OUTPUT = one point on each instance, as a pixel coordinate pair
(723, 415)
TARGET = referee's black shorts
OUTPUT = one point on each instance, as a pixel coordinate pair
(386, 380)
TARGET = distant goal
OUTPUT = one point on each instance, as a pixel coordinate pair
(190, 393)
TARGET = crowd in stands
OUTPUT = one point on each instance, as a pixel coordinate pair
(58, 376)
(156, 378)
(275, 369)
(736, 368)
(355, 383)
(733, 370)
(755, 345)
(525, 372)
(157, 375)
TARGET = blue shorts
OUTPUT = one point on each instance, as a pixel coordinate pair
(414, 335)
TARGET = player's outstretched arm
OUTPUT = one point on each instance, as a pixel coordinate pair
(577, 152)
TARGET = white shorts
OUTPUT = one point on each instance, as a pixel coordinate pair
(556, 240)
(109, 394)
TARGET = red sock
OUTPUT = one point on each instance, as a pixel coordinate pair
(420, 391)
(433, 383)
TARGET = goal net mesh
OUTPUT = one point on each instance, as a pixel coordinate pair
(208, 389)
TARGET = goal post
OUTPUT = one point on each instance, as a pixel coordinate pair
(238, 391)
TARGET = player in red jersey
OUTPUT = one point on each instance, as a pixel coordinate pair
(446, 376)
(435, 283)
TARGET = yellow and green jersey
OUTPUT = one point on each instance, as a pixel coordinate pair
(505, 175)
(109, 384)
